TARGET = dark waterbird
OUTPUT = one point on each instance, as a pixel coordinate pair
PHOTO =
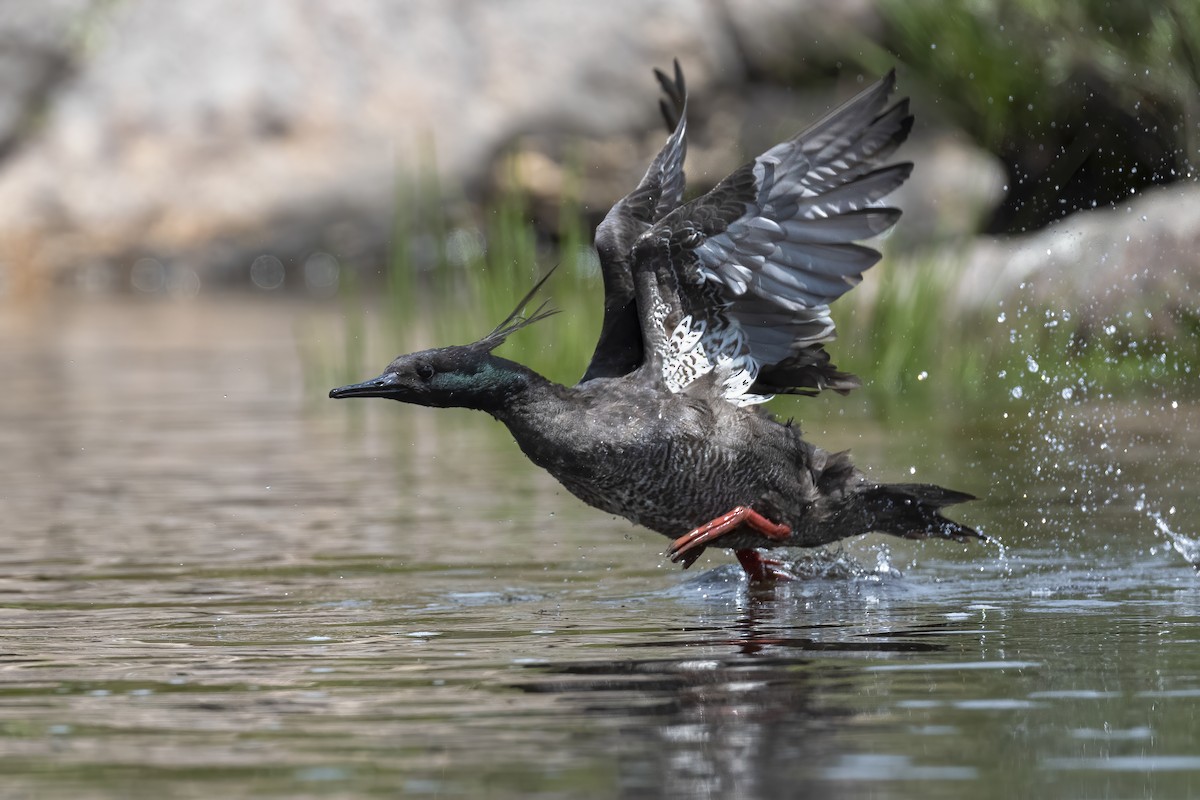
(711, 307)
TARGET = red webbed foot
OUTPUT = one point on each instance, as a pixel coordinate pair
(687, 548)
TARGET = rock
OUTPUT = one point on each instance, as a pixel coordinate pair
(777, 37)
(953, 189)
(1139, 260)
(207, 134)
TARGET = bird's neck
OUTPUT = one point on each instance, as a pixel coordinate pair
(540, 414)
(508, 390)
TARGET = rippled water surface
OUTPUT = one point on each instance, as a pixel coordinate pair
(215, 582)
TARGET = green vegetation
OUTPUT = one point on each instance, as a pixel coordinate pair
(1084, 102)
(916, 349)
(987, 56)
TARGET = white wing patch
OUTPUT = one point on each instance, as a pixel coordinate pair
(697, 347)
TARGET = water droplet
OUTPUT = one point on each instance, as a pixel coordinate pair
(1017, 392)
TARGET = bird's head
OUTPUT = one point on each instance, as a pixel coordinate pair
(460, 376)
(465, 376)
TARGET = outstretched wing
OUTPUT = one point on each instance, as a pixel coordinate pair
(619, 349)
(737, 283)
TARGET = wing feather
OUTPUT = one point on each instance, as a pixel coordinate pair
(760, 257)
(619, 348)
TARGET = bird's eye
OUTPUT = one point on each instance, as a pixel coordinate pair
(424, 372)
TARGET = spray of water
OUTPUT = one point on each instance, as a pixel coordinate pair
(1184, 545)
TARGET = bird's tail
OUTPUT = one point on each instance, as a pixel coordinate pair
(912, 510)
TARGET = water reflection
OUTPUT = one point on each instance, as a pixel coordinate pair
(748, 716)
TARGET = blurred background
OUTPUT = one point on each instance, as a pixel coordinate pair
(302, 148)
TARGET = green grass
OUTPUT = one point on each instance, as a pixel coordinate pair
(917, 350)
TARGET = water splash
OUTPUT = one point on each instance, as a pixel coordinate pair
(1003, 561)
(1186, 546)
(838, 565)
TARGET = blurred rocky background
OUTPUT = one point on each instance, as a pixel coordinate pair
(166, 147)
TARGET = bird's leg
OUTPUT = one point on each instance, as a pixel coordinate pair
(760, 569)
(682, 547)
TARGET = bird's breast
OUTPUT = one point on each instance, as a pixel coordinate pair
(667, 486)
(656, 460)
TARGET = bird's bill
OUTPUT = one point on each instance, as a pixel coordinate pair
(382, 386)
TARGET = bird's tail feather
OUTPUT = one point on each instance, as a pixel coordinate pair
(912, 510)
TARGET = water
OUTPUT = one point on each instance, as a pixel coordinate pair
(215, 582)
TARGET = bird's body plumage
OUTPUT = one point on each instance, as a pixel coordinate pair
(711, 306)
(669, 461)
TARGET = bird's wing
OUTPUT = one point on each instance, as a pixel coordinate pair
(619, 349)
(737, 283)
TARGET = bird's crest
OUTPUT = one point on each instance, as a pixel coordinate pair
(515, 321)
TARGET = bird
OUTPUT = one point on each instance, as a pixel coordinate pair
(712, 306)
